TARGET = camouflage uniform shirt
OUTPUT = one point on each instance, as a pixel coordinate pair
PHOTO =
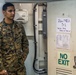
(13, 47)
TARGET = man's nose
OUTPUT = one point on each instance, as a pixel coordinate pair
(13, 12)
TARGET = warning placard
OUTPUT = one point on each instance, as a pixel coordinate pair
(64, 59)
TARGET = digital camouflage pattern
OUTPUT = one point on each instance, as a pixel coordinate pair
(13, 48)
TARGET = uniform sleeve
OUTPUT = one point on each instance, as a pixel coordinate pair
(1, 63)
(25, 44)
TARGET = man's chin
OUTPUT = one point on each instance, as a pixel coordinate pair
(11, 18)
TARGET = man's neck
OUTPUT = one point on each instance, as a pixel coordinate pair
(8, 21)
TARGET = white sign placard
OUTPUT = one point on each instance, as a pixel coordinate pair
(63, 41)
(64, 25)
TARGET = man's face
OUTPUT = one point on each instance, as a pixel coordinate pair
(9, 13)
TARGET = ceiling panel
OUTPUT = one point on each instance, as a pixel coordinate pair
(31, 0)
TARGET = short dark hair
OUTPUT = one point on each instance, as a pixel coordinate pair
(6, 5)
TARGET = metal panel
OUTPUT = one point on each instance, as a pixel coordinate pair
(55, 10)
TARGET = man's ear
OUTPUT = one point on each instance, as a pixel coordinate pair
(3, 12)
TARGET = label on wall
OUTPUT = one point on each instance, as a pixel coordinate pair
(63, 25)
(63, 41)
(63, 59)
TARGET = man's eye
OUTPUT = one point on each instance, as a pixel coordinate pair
(11, 10)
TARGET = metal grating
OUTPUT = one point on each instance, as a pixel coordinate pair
(60, 71)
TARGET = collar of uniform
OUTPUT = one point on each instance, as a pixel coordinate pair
(4, 23)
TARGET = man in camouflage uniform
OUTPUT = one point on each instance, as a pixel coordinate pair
(13, 44)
